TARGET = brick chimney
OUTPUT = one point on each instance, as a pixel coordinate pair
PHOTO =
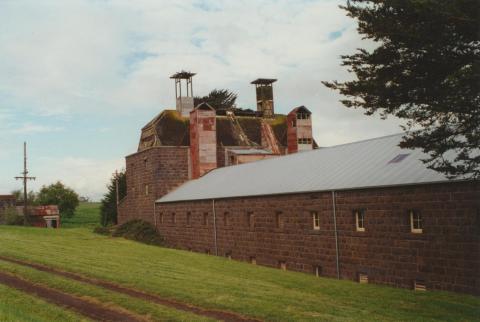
(203, 140)
(184, 101)
(299, 130)
(264, 91)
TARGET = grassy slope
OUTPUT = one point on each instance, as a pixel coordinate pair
(86, 215)
(18, 306)
(216, 282)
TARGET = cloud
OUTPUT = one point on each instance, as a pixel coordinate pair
(110, 62)
(87, 176)
(30, 128)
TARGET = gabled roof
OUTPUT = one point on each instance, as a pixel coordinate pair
(363, 164)
(301, 109)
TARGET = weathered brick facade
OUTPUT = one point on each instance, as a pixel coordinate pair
(151, 174)
(274, 229)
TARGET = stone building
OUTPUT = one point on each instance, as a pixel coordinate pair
(188, 142)
(366, 211)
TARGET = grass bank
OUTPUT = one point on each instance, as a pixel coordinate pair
(214, 282)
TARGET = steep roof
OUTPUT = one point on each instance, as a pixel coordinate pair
(173, 130)
(371, 163)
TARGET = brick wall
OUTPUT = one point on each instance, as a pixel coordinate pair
(161, 169)
(272, 229)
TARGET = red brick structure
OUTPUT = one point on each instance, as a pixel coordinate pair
(366, 211)
(203, 140)
(280, 229)
(299, 133)
(184, 144)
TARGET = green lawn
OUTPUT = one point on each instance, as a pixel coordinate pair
(18, 306)
(86, 215)
(215, 282)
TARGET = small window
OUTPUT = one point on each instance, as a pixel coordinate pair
(279, 219)
(146, 190)
(362, 278)
(253, 260)
(189, 218)
(282, 265)
(416, 222)
(205, 219)
(360, 219)
(251, 220)
(145, 162)
(225, 219)
(174, 218)
(419, 285)
(316, 220)
(317, 270)
(161, 217)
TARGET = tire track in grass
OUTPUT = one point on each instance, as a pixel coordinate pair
(211, 313)
(84, 307)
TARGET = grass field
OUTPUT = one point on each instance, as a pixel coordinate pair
(87, 215)
(212, 282)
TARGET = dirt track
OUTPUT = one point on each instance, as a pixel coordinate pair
(86, 308)
(216, 314)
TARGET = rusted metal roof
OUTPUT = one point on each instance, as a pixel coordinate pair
(363, 164)
(182, 75)
(263, 81)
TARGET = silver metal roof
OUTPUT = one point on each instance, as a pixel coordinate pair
(250, 151)
(369, 163)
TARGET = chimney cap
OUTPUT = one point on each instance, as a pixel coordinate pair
(263, 81)
(182, 75)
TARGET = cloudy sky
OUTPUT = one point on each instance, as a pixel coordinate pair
(78, 79)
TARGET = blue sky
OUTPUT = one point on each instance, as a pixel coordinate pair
(78, 79)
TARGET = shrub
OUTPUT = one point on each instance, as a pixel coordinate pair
(10, 216)
(140, 231)
(103, 230)
(58, 194)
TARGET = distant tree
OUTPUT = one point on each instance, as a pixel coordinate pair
(58, 194)
(426, 71)
(108, 209)
(31, 197)
(219, 99)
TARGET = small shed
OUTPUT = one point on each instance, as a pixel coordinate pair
(43, 216)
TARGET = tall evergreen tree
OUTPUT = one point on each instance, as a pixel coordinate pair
(108, 209)
(219, 99)
(426, 71)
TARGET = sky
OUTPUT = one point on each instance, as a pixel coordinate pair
(78, 79)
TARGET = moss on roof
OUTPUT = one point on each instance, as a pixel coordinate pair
(173, 129)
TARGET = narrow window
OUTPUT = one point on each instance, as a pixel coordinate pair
(316, 220)
(294, 123)
(317, 270)
(145, 162)
(282, 265)
(253, 260)
(174, 218)
(360, 219)
(362, 278)
(146, 190)
(225, 219)
(419, 285)
(205, 219)
(416, 222)
(161, 217)
(251, 220)
(279, 219)
(189, 218)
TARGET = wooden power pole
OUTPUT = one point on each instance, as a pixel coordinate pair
(25, 178)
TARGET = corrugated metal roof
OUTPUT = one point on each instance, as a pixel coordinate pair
(369, 163)
(251, 151)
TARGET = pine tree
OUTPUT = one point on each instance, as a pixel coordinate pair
(426, 71)
(108, 209)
